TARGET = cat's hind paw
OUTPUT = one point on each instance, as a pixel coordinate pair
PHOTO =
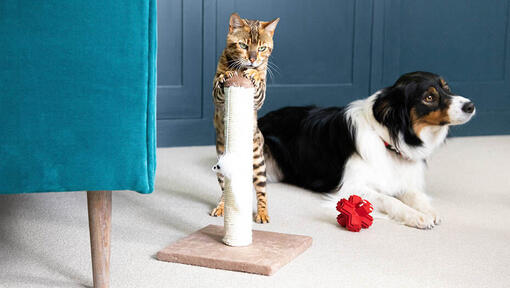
(261, 217)
(218, 211)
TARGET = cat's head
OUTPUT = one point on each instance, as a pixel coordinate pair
(249, 42)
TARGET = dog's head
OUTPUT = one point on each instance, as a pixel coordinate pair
(418, 100)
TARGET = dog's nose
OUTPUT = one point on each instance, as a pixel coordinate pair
(468, 107)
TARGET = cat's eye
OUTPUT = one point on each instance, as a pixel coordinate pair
(243, 46)
(262, 48)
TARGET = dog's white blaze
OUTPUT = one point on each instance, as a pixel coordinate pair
(455, 113)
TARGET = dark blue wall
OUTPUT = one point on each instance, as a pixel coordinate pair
(330, 52)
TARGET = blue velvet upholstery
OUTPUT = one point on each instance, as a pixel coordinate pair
(77, 95)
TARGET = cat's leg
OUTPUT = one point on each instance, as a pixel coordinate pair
(419, 201)
(259, 177)
(220, 149)
(219, 210)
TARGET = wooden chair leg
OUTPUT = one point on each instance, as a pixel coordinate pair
(100, 213)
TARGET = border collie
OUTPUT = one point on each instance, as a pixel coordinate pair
(375, 148)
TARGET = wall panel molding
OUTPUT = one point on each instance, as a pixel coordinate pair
(180, 98)
(332, 52)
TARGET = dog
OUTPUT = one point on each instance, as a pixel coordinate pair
(375, 148)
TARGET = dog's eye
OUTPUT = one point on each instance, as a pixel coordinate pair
(429, 98)
(243, 46)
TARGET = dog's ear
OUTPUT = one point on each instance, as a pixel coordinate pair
(392, 110)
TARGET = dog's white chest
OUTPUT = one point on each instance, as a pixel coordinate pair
(387, 174)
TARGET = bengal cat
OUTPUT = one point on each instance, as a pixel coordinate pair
(249, 44)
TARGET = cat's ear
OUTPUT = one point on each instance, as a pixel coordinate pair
(271, 25)
(235, 21)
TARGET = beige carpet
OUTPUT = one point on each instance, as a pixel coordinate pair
(44, 237)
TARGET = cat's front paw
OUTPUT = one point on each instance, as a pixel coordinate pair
(221, 78)
(219, 81)
(230, 74)
(251, 74)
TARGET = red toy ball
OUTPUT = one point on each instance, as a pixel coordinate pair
(354, 213)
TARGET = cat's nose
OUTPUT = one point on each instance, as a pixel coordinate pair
(252, 56)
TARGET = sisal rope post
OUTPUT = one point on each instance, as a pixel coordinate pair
(236, 164)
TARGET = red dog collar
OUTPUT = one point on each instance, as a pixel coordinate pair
(394, 149)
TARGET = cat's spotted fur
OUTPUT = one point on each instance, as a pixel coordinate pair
(249, 44)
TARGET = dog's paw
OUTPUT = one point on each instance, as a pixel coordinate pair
(437, 218)
(261, 217)
(432, 213)
(420, 220)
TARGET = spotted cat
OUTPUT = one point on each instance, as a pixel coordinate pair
(249, 45)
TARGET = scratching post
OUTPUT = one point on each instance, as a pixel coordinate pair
(268, 251)
(237, 165)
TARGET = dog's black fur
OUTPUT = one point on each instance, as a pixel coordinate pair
(310, 144)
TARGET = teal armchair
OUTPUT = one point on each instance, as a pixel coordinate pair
(77, 103)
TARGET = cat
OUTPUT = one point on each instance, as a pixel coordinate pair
(249, 45)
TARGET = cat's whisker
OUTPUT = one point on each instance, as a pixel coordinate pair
(271, 75)
(273, 69)
(273, 66)
(235, 65)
